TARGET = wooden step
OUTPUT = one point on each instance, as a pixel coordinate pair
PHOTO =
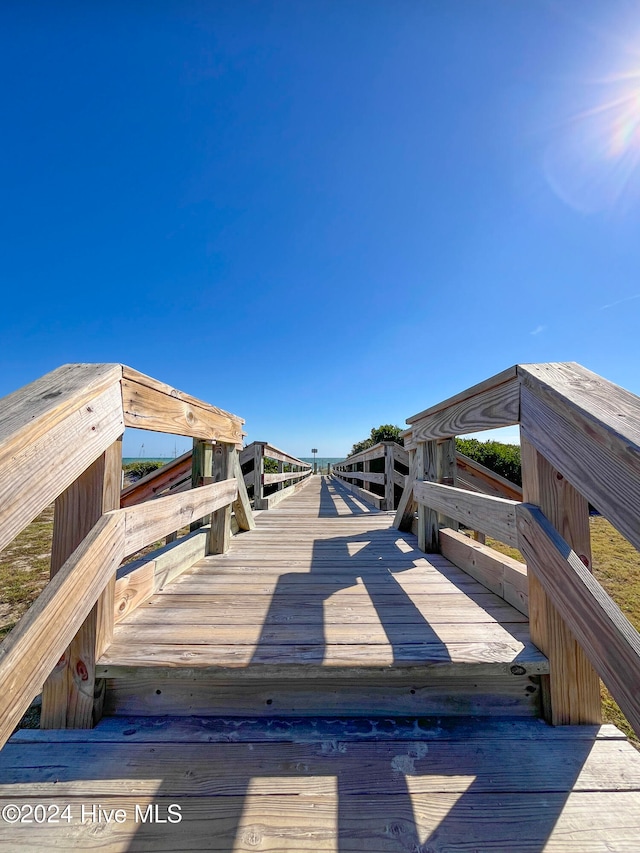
(456, 677)
(310, 615)
(374, 784)
(495, 695)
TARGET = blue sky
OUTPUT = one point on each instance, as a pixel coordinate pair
(321, 216)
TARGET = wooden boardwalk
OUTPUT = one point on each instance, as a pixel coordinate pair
(323, 686)
(323, 591)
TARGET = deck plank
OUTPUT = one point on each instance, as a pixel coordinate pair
(284, 755)
(324, 582)
(457, 786)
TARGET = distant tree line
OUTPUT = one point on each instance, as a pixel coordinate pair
(504, 459)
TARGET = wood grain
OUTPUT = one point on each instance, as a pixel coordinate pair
(38, 641)
(589, 429)
(407, 506)
(70, 692)
(391, 822)
(153, 405)
(138, 581)
(220, 529)
(241, 506)
(364, 768)
(607, 637)
(494, 695)
(494, 516)
(148, 522)
(389, 483)
(71, 426)
(497, 572)
(497, 406)
(572, 693)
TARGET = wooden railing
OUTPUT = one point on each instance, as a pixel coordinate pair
(382, 467)
(60, 439)
(392, 462)
(268, 488)
(580, 443)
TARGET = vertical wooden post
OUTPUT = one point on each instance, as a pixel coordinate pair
(426, 469)
(389, 485)
(201, 462)
(280, 469)
(241, 506)
(366, 467)
(72, 697)
(571, 693)
(220, 530)
(258, 474)
(447, 474)
(405, 512)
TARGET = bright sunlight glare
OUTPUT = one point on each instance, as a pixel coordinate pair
(592, 164)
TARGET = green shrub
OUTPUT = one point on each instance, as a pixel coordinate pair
(385, 432)
(504, 459)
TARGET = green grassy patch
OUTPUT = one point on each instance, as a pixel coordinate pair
(24, 569)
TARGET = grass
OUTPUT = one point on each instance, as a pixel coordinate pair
(24, 571)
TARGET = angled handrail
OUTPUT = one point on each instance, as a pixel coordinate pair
(52, 433)
(580, 443)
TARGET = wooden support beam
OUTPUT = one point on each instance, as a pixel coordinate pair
(366, 468)
(287, 475)
(201, 470)
(495, 516)
(389, 484)
(51, 431)
(154, 405)
(241, 506)
(605, 634)
(150, 521)
(44, 632)
(407, 506)
(589, 429)
(201, 462)
(502, 575)
(399, 479)
(490, 404)
(258, 474)
(72, 698)
(447, 475)
(426, 470)
(571, 694)
(220, 530)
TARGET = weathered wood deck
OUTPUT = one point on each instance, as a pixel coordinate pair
(323, 685)
(324, 608)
